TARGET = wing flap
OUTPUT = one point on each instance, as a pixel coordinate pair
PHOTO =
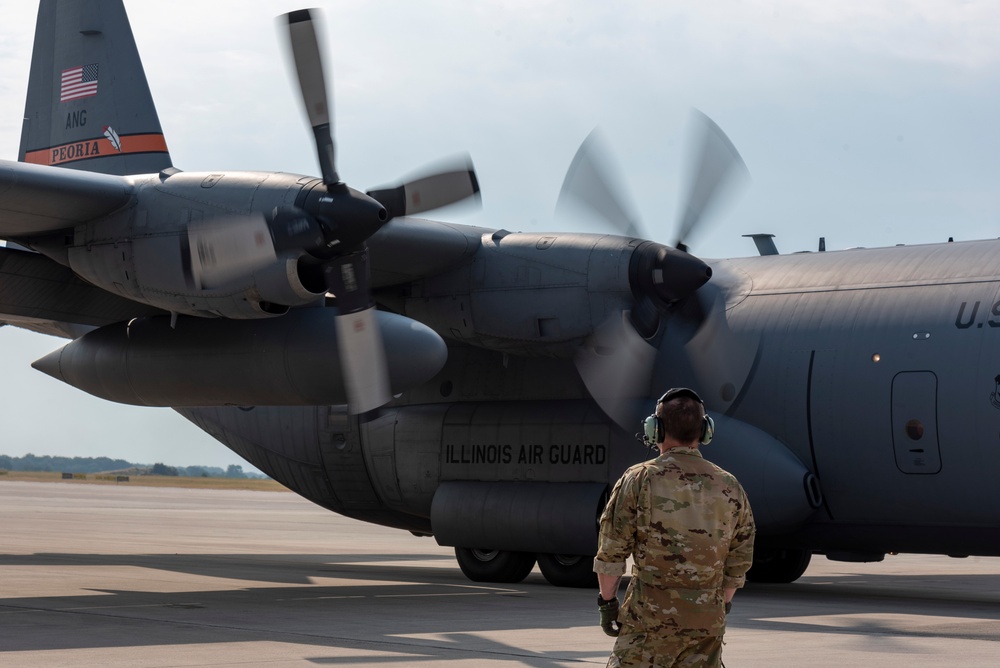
(36, 199)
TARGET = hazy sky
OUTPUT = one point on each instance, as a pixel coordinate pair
(871, 123)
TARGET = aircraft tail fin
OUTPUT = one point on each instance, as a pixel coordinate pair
(89, 105)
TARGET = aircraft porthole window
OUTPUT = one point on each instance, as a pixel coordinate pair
(728, 392)
(446, 388)
(915, 429)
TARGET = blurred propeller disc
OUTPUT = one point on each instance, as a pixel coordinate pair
(589, 183)
(617, 363)
(616, 366)
(717, 167)
(701, 346)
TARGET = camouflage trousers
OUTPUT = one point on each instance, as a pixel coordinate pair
(678, 651)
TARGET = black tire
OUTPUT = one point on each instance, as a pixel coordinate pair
(481, 565)
(568, 570)
(779, 566)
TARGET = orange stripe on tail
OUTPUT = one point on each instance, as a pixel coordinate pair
(99, 147)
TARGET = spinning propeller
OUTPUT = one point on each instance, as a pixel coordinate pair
(617, 365)
(331, 226)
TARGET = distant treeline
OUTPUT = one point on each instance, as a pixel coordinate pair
(32, 462)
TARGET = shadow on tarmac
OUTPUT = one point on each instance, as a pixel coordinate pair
(960, 606)
(416, 613)
(380, 604)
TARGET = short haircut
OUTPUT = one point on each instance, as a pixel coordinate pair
(683, 419)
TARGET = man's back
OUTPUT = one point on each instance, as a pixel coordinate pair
(688, 526)
(689, 512)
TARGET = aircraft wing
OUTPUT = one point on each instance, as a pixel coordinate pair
(36, 199)
(39, 294)
(408, 249)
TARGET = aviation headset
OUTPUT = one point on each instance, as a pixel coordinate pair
(652, 426)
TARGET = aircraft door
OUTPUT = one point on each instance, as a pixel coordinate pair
(914, 422)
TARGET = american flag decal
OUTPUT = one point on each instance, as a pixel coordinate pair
(78, 82)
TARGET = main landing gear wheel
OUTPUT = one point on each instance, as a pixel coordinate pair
(778, 566)
(568, 570)
(494, 565)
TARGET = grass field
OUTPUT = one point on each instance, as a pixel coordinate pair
(261, 485)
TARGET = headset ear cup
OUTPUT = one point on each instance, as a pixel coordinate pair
(652, 429)
(707, 430)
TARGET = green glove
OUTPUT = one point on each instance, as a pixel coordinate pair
(609, 615)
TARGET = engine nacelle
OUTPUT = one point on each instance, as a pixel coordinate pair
(151, 270)
(287, 361)
(531, 294)
(142, 252)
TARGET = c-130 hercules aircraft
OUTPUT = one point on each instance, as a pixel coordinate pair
(479, 385)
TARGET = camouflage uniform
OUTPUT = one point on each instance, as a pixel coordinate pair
(688, 526)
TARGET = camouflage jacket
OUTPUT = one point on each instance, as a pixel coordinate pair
(687, 525)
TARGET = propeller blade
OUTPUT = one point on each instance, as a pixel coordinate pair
(219, 251)
(616, 366)
(294, 229)
(589, 182)
(306, 55)
(718, 166)
(359, 341)
(362, 358)
(451, 182)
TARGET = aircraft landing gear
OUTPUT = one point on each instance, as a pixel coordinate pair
(494, 565)
(568, 570)
(778, 566)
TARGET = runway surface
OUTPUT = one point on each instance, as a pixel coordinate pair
(94, 575)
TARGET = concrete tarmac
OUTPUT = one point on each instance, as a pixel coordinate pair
(104, 575)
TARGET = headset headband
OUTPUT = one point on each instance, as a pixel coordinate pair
(675, 392)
